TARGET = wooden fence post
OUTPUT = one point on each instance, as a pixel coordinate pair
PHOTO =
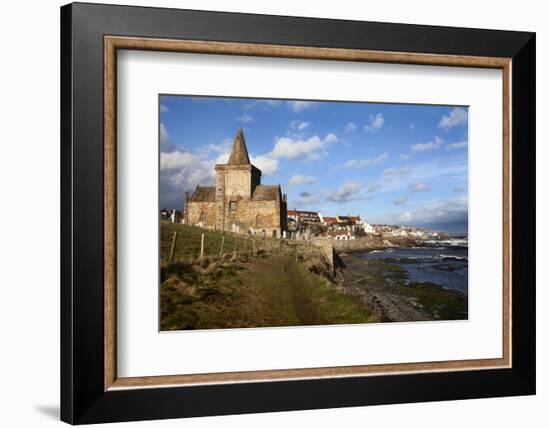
(221, 249)
(235, 246)
(253, 246)
(173, 247)
(202, 246)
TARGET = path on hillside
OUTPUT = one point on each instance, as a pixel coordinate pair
(269, 291)
(289, 289)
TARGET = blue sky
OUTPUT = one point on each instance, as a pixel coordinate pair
(390, 163)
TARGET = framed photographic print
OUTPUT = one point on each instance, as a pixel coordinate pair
(266, 213)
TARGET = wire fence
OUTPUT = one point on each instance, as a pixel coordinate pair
(182, 242)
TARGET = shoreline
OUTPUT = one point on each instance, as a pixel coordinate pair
(383, 288)
(370, 243)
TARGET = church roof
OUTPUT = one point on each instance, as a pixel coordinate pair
(264, 192)
(239, 154)
(204, 194)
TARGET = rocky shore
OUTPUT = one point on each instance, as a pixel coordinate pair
(386, 290)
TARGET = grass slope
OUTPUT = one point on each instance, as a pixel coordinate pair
(267, 291)
(188, 242)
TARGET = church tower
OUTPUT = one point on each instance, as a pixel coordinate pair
(235, 183)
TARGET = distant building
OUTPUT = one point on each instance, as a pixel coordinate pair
(165, 214)
(328, 220)
(176, 216)
(368, 228)
(173, 216)
(341, 235)
(304, 216)
(344, 219)
(238, 202)
(400, 232)
(349, 219)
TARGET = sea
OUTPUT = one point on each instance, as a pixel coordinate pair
(443, 262)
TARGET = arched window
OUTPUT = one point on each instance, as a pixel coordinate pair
(203, 217)
(258, 220)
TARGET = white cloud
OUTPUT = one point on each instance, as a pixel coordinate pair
(457, 146)
(245, 118)
(404, 157)
(298, 125)
(400, 178)
(299, 106)
(401, 201)
(379, 159)
(376, 122)
(418, 187)
(361, 163)
(164, 109)
(438, 212)
(304, 198)
(223, 158)
(177, 160)
(181, 172)
(430, 145)
(266, 164)
(350, 127)
(291, 148)
(223, 147)
(373, 187)
(347, 192)
(316, 156)
(166, 143)
(397, 171)
(302, 179)
(330, 138)
(354, 163)
(456, 116)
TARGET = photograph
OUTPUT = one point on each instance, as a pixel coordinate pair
(281, 212)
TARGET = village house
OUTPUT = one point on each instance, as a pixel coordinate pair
(238, 202)
(173, 216)
(303, 218)
(328, 221)
(340, 235)
(368, 228)
(165, 214)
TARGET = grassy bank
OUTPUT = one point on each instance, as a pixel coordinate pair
(272, 288)
(188, 242)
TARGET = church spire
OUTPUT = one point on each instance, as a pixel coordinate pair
(239, 154)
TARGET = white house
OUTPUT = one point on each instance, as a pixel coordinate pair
(367, 228)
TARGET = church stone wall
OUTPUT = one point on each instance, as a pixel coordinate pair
(266, 217)
(240, 216)
(202, 212)
(237, 182)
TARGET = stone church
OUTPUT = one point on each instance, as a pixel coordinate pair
(238, 202)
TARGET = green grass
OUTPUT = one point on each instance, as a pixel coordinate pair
(272, 289)
(188, 242)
